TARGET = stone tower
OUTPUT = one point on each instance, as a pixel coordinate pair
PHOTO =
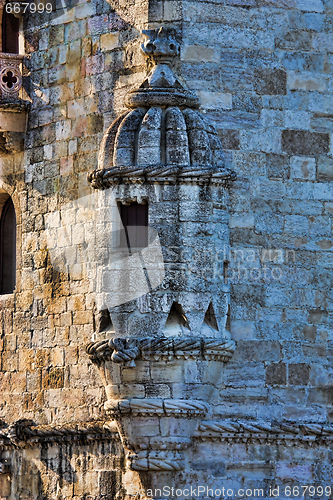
(161, 357)
(166, 306)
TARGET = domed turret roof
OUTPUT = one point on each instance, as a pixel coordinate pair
(163, 131)
(161, 135)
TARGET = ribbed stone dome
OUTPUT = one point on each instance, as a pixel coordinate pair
(161, 135)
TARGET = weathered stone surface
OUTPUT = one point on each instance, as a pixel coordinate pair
(276, 374)
(262, 70)
(270, 82)
(305, 143)
(325, 169)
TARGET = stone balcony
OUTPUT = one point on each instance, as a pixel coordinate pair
(13, 110)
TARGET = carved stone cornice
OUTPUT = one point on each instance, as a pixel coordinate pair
(23, 433)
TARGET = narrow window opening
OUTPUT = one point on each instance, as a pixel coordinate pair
(8, 248)
(228, 322)
(10, 33)
(225, 271)
(134, 218)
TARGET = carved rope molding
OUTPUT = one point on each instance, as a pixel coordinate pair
(23, 433)
(156, 407)
(265, 432)
(106, 177)
(156, 461)
(127, 350)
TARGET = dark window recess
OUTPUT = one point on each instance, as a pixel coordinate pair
(7, 248)
(10, 33)
(135, 221)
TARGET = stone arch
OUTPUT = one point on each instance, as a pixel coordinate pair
(9, 191)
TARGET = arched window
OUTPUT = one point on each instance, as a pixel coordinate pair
(10, 33)
(7, 248)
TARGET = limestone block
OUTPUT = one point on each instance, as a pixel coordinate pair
(325, 169)
(310, 5)
(270, 82)
(242, 221)
(299, 142)
(211, 100)
(297, 120)
(303, 168)
(307, 81)
(199, 53)
(199, 212)
(266, 140)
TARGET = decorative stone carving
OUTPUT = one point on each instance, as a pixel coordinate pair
(104, 178)
(163, 138)
(13, 111)
(127, 350)
(23, 433)
(10, 75)
(154, 460)
(161, 44)
(265, 432)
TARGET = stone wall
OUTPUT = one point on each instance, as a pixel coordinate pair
(262, 69)
(267, 85)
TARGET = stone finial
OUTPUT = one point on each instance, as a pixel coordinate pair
(161, 44)
(161, 87)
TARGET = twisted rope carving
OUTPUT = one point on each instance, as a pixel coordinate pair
(187, 347)
(126, 350)
(156, 347)
(185, 406)
(264, 431)
(157, 407)
(157, 461)
(123, 350)
(103, 178)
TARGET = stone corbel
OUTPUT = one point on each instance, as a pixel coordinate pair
(13, 110)
(13, 124)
